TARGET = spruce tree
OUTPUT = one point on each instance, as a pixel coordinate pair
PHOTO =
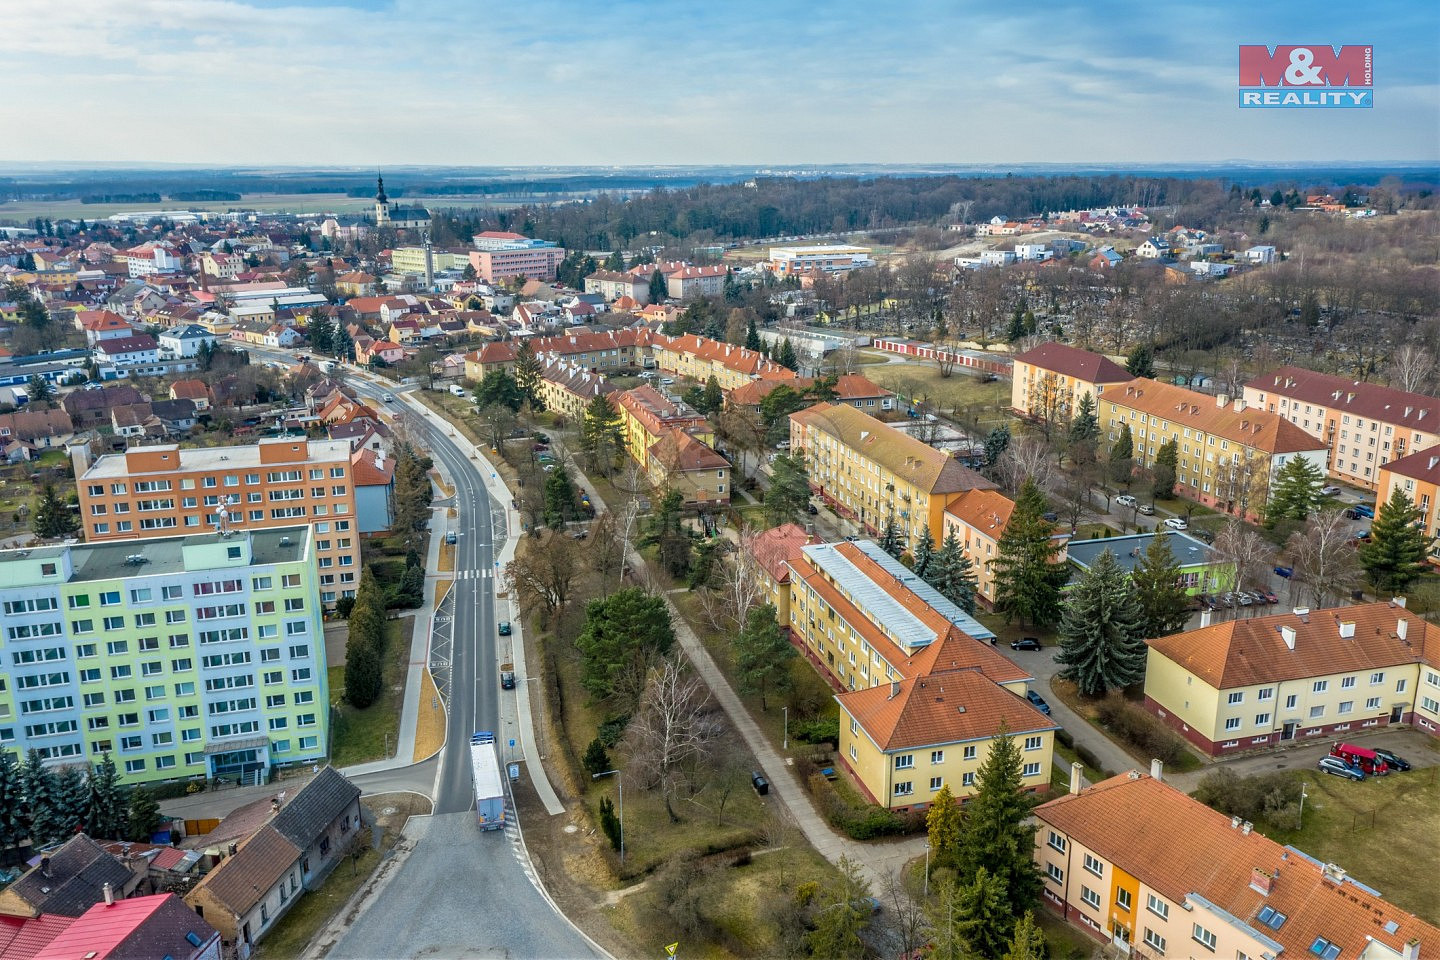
(364, 676)
(1028, 577)
(924, 553)
(527, 376)
(714, 397)
(943, 826)
(615, 263)
(659, 288)
(39, 391)
(1395, 556)
(1100, 633)
(752, 337)
(1028, 941)
(892, 541)
(1085, 425)
(1294, 492)
(953, 574)
(52, 519)
(107, 806)
(45, 823)
(1162, 598)
(601, 436)
(559, 498)
(1141, 362)
(144, 818)
(787, 357)
(14, 809)
(997, 441)
(1122, 454)
(996, 834)
(72, 795)
(984, 919)
(1167, 458)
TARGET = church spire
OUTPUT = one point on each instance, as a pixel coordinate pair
(380, 190)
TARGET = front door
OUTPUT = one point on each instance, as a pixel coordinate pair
(1121, 937)
(1396, 712)
(1287, 732)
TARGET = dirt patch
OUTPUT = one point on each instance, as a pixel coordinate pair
(446, 563)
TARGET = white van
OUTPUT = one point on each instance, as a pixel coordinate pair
(457, 390)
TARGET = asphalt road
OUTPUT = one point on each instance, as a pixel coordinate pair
(461, 893)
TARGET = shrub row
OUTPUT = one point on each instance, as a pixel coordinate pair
(1139, 729)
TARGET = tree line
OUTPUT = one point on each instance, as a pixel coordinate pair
(45, 805)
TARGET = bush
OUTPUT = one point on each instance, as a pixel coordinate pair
(817, 730)
(1265, 797)
(1083, 754)
(343, 606)
(1066, 741)
(596, 760)
(612, 730)
(1139, 729)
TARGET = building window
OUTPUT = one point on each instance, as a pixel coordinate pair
(1237, 697)
(936, 783)
(1031, 770)
(1317, 712)
(1054, 872)
(904, 761)
(1094, 866)
(1154, 941)
(1233, 723)
(1261, 719)
(1157, 906)
(1057, 841)
(904, 788)
(1320, 686)
(1123, 900)
(968, 753)
(1034, 743)
(967, 779)
(1090, 898)
(1203, 937)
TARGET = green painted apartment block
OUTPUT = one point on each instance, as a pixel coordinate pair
(183, 657)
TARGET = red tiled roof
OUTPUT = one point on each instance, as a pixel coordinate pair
(1179, 847)
(987, 511)
(1074, 362)
(370, 473)
(27, 936)
(1424, 465)
(776, 548)
(1413, 411)
(677, 450)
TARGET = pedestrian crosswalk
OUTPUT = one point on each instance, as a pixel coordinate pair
(473, 575)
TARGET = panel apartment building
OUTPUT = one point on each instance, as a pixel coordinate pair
(164, 490)
(181, 657)
(500, 256)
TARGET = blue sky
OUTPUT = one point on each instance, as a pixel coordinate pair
(374, 82)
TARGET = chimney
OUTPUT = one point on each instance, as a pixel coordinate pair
(1260, 881)
(45, 866)
(1239, 404)
(1205, 616)
(1157, 770)
(1347, 628)
(1303, 613)
(1246, 827)
(1289, 634)
(109, 895)
(1402, 627)
(1234, 823)
(1075, 778)
(1220, 401)
(1398, 602)
(1411, 950)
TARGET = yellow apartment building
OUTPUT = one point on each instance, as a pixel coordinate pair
(1292, 677)
(567, 390)
(770, 553)
(646, 415)
(1228, 452)
(867, 470)
(679, 461)
(1418, 475)
(978, 519)
(164, 491)
(1136, 863)
(701, 358)
(1364, 426)
(1049, 380)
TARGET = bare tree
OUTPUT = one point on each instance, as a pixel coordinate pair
(1412, 368)
(843, 360)
(544, 571)
(673, 731)
(907, 916)
(1029, 457)
(1326, 565)
(728, 603)
(1251, 555)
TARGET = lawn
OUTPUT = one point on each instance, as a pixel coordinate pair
(1375, 830)
(960, 391)
(359, 736)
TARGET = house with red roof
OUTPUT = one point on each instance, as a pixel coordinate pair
(1049, 380)
(141, 928)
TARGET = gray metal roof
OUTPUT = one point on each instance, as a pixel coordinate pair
(902, 625)
(1188, 551)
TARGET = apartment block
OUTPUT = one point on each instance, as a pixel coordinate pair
(503, 256)
(181, 657)
(977, 519)
(1291, 677)
(916, 677)
(1364, 425)
(1418, 476)
(770, 553)
(869, 471)
(1049, 380)
(701, 358)
(1136, 863)
(1228, 451)
(165, 490)
(567, 388)
(819, 258)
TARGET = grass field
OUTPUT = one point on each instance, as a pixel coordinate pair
(921, 379)
(363, 735)
(1375, 830)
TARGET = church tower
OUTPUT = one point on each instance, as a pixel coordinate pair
(382, 203)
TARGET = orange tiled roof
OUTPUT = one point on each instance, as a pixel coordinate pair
(986, 510)
(1181, 847)
(947, 706)
(677, 450)
(1424, 465)
(1247, 651)
(655, 412)
(916, 462)
(776, 548)
(1258, 429)
(370, 468)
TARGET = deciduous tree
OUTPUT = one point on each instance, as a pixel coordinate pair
(544, 572)
(1324, 560)
(673, 731)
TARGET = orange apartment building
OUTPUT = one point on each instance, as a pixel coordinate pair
(1418, 475)
(1364, 425)
(164, 490)
(1049, 380)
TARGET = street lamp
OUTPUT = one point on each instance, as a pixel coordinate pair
(620, 781)
(786, 710)
(1300, 820)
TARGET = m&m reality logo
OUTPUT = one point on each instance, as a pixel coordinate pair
(1312, 75)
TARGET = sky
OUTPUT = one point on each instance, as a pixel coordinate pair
(624, 82)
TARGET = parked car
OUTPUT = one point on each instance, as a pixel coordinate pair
(1243, 598)
(666, 381)
(1360, 536)
(1329, 490)
(388, 397)
(1364, 511)
(811, 509)
(1228, 600)
(1025, 643)
(1050, 517)
(1364, 759)
(1338, 767)
(1038, 702)
(1392, 760)
(1286, 572)
(450, 537)
(1125, 500)
(1177, 523)
(507, 676)
(1270, 596)
(1148, 509)
(1259, 596)
(504, 628)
